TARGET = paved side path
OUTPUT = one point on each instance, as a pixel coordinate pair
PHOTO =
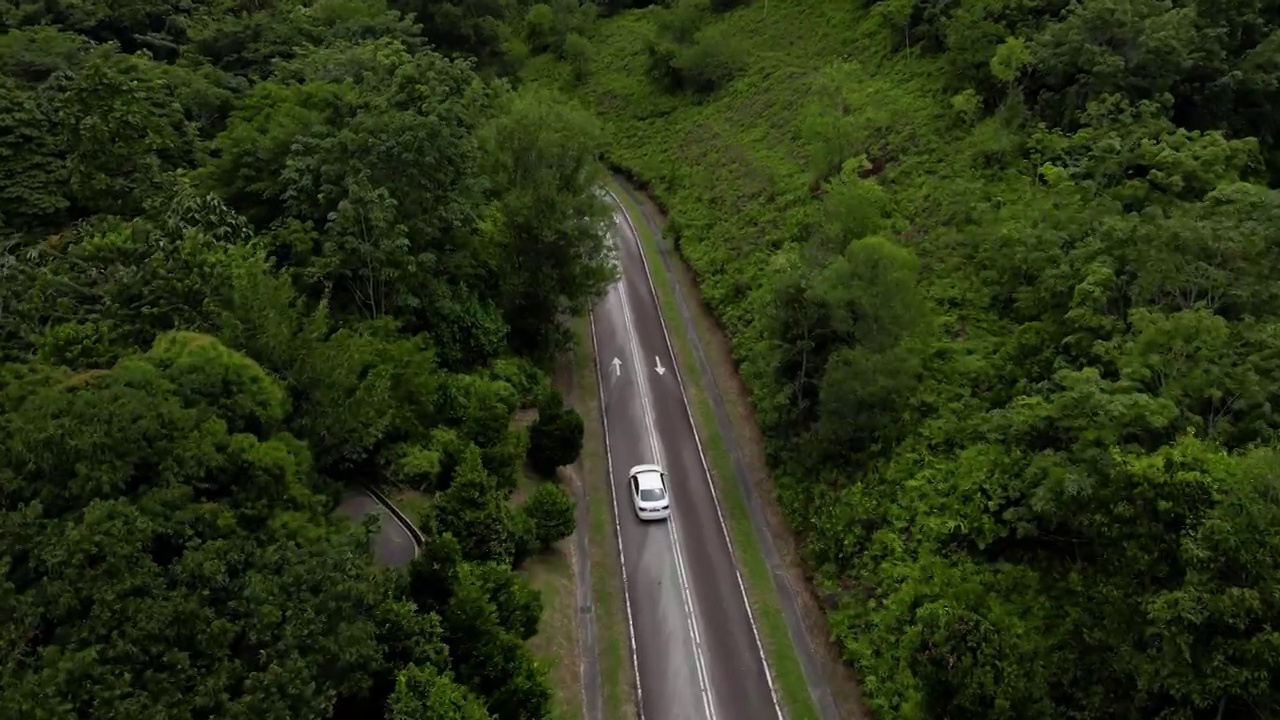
(393, 546)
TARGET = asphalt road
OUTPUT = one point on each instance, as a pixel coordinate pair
(697, 652)
(393, 546)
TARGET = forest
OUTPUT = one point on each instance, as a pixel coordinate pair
(1001, 276)
(252, 253)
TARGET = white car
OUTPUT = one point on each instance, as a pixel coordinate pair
(649, 493)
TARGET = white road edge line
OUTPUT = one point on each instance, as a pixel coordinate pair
(617, 527)
(704, 684)
(768, 672)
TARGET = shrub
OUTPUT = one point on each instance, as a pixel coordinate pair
(551, 511)
(555, 439)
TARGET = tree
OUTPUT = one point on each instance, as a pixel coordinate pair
(475, 513)
(423, 693)
(861, 399)
(210, 412)
(32, 191)
(517, 603)
(552, 512)
(345, 158)
(161, 483)
(551, 257)
(184, 590)
(249, 42)
(121, 129)
(555, 438)
(490, 659)
(251, 254)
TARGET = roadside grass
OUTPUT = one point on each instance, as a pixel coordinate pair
(788, 676)
(617, 687)
(551, 573)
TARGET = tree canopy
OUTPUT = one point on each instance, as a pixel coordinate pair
(251, 254)
(1001, 276)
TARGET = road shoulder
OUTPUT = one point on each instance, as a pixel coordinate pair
(606, 666)
(812, 680)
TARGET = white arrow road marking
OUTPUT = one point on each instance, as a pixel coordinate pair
(659, 367)
(617, 367)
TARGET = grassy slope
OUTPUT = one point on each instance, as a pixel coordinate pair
(732, 171)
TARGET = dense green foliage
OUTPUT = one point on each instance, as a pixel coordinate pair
(251, 254)
(1004, 290)
(555, 438)
(1005, 293)
(550, 509)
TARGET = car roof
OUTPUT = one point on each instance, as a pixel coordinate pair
(649, 479)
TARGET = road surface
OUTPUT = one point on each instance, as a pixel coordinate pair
(394, 545)
(697, 651)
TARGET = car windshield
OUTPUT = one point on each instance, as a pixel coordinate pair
(652, 495)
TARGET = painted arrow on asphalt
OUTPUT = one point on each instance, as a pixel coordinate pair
(659, 367)
(617, 367)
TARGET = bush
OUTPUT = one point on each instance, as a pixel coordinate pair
(555, 439)
(524, 377)
(577, 53)
(551, 511)
(526, 534)
(518, 604)
(475, 513)
(714, 59)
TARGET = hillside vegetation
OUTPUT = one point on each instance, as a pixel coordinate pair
(250, 254)
(1002, 277)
